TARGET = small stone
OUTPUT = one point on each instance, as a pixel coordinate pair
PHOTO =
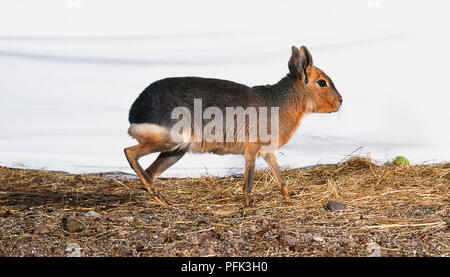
(362, 240)
(100, 229)
(135, 223)
(40, 230)
(73, 226)
(73, 250)
(318, 239)
(205, 251)
(288, 240)
(57, 251)
(353, 245)
(122, 233)
(92, 214)
(37, 180)
(131, 252)
(374, 249)
(299, 247)
(146, 211)
(21, 246)
(335, 206)
(128, 218)
(140, 247)
(112, 217)
(194, 239)
(208, 238)
(6, 214)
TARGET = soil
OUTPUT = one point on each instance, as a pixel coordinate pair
(383, 210)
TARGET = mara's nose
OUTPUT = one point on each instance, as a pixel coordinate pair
(339, 97)
(340, 100)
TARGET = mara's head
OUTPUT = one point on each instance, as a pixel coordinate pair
(320, 94)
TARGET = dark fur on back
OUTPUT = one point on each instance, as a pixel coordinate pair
(155, 104)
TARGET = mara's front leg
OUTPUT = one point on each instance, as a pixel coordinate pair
(272, 162)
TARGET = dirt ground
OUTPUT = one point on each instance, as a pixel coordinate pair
(387, 210)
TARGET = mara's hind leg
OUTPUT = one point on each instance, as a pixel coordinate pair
(272, 162)
(133, 154)
(163, 162)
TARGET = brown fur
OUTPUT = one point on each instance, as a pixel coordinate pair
(296, 95)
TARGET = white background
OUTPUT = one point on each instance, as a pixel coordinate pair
(70, 70)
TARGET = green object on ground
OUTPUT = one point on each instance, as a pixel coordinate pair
(400, 160)
(74, 226)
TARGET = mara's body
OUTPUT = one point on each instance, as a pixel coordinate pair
(156, 115)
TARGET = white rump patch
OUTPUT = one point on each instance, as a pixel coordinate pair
(140, 131)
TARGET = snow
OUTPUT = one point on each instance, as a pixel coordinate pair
(70, 70)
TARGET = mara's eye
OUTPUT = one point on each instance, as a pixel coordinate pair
(322, 83)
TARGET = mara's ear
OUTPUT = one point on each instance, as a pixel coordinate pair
(307, 60)
(300, 63)
(295, 64)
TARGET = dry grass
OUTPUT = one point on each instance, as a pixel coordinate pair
(404, 209)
